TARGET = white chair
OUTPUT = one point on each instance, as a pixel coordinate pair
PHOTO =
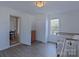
(63, 43)
(60, 45)
(77, 37)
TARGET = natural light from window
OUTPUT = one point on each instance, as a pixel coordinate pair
(54, 26)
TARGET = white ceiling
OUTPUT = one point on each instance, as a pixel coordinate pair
(50, 6)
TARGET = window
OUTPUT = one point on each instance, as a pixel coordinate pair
(54, 26)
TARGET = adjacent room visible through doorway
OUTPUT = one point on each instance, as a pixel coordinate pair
(14, 35)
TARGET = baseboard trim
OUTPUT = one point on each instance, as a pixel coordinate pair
(5, 48)
(15, 44)
(10, 46)
(52, 42)
(40, 41)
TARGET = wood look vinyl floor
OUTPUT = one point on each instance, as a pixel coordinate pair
(35, 50)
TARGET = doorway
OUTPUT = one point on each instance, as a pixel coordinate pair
(14, 30)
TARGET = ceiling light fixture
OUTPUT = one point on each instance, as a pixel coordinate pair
(39, 4)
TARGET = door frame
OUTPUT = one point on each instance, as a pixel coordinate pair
(17, 28)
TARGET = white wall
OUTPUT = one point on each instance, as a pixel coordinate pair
(69, 22)
(4, 28)
(33, 23)
(26, 22)
(40, 27)
(26, 29)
